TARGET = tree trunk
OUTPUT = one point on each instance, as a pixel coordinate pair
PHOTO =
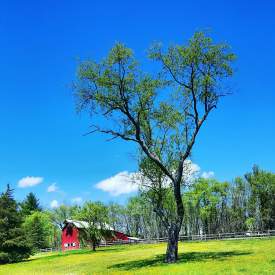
(172, 245)
(174, 228)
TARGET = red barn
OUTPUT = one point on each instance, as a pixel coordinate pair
(70, 234)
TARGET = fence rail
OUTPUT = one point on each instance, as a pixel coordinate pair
(202, 237)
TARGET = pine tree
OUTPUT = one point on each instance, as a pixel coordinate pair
(13, 245)
(30, 204)
(37, 234)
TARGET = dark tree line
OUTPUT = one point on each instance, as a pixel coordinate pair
(13, 245)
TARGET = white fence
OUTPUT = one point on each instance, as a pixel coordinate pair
(203, 237)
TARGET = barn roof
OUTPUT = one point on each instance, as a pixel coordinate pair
(83, 224)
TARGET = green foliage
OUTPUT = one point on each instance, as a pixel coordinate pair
(13, 245)
(162, 114)
(206, 199)
(250, 224)
(117, 216)
(39, 230)
(261, 201)
(97, 216)
(63, 212)
(239, 205)
(30, 205)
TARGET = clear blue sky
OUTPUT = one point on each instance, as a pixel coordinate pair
(41, 41)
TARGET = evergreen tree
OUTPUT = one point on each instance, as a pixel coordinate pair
(30, 204)
(37, 234)
(13, 245)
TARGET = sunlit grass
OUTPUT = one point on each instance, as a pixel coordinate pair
(213, 257)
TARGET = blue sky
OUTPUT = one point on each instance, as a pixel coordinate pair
(41, 43)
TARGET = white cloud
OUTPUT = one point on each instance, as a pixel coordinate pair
(207, 175)
(191, 171)
(52, 188)
(121, 183)
(195, 168)
(54, 204)
(29, 181)
(125, 182)
(77, 200)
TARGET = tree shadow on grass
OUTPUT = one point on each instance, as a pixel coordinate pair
(183, 258)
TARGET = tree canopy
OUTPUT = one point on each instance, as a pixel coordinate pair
(97, 216)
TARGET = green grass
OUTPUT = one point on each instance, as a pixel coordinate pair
(213, 257)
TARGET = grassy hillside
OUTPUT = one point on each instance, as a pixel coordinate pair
(213, 257)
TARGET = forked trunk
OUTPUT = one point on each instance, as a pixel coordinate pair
(172, 245)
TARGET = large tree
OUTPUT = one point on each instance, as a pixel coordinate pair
(14, 246)
(162, 114)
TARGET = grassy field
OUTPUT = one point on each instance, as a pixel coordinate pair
(213, 257)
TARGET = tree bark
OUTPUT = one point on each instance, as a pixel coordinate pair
(172, 245)
(174, 228)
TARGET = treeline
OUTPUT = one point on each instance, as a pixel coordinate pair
(246, 204)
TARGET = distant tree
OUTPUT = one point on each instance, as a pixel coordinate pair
(39, 230)
(162, 115)
(116, 217)
(239, 197)
(262, 198)
(96, 215)
(208, 196)
(142, 219)
(14, 246)
(30, 204)
(63, 212)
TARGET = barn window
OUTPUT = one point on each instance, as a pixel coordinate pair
(65, 245)
(73, 244)
(69, 230)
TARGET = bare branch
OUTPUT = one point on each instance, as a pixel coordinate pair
(110, 132)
